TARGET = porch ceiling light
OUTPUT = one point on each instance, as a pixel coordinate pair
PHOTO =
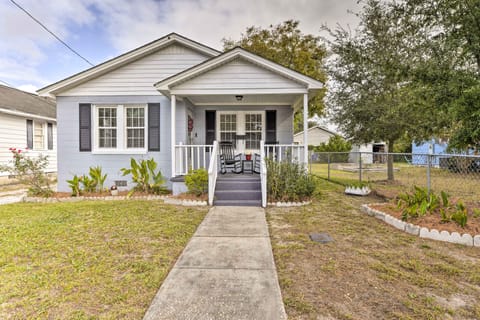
(239, 97)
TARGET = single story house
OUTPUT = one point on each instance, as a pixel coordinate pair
(316, 136)
(173, 99)
(433, 146)
(27, 121)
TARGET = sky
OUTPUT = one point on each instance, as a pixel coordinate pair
(31, 58)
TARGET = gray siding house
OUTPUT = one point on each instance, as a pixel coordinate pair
(172, 99)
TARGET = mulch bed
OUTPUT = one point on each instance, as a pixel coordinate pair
(433, 221)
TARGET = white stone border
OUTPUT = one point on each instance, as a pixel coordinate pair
(166, 199)
(422, 232)
(289, 204)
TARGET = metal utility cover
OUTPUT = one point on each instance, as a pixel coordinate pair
(321, 237)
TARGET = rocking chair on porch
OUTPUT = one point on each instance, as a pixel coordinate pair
(228, 158)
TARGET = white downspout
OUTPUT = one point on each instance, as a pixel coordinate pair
(305, 128)
(173, 103)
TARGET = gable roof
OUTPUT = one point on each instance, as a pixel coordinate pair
(166, 84)
(318, 128)
(124, 59)
(14, 101)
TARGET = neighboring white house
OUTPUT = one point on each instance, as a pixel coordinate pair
(316, 136)
(171, 99)
(27, 121)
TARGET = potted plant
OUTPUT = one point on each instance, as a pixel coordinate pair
(114, 190)
(248, 156)
(358, 189)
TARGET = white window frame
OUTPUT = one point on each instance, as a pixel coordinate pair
(121, 129)
(43, 124)
(241, 127)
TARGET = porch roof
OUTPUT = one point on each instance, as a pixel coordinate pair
(239, 77)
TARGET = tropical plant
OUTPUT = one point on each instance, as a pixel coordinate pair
(74, 184)
(30, 171)
(197, 181)
(420, 202)
(88, 183)
(145, 176)
(98, 177)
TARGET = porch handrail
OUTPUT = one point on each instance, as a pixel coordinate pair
(263, 174)
(212, 172)
(191, 157)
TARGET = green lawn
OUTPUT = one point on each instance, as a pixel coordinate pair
(88, 259)
(371, 270)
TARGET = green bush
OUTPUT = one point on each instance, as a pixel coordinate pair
(197, 182)
(335, 144)
(288, 181)
(145, 176)
(419, 203)
(30, 171)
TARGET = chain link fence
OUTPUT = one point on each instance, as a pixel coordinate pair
(458, 175)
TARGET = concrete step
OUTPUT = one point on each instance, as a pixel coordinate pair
(238, 195)
(238, 203)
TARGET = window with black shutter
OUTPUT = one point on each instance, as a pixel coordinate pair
(154, 127)
(85, 124)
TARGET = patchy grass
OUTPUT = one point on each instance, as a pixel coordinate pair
(456, 184)
(371, 270)
(88, 259)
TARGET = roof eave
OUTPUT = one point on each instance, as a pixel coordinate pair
(123, 59)
(183, 76)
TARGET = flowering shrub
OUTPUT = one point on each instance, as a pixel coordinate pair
(30, 171)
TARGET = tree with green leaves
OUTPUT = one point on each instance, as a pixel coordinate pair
(450, 73)
(286, 45)
(370, 95)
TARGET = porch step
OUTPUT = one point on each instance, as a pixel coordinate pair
(238, 194)
(238, 190)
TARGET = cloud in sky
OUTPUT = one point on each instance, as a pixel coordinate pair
(101, 29)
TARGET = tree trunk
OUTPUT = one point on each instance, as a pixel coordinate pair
(390, 175)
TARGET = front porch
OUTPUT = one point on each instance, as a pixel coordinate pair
(233, 187)
(239, 98)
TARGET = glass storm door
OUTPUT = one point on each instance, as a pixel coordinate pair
(244, 129)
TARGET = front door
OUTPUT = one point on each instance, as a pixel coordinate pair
(244, 128)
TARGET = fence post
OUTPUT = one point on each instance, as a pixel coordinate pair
(328, 159)
(360, 166)
(429, 164)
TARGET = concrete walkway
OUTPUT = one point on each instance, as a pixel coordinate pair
(225, 272)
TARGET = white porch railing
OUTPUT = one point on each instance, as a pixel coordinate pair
(191, 157)
(212, 173)
(263, 174)
(285, 152)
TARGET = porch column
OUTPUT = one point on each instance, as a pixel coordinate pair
(305, 128)
(173, 103)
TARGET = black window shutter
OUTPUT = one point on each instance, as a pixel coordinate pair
(85, 124)
(30, 134)
(50, 136)
(209, 126)
(154, 127)
(271, 127)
